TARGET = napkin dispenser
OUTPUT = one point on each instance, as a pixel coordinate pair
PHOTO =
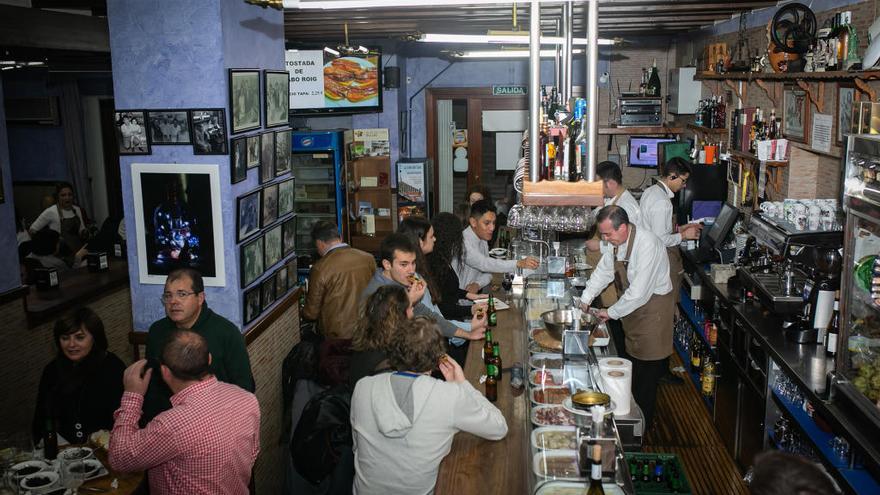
(47, 278)
(98, 261)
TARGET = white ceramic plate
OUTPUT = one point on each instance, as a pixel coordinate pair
(76, 453)
(27, 482)
(94, 468)
(29, 467)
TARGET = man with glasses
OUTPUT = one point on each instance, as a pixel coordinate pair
(185, 308)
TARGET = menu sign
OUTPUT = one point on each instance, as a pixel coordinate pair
(320, 81)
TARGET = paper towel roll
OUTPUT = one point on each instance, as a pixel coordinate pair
(615, 363)
(618, 385)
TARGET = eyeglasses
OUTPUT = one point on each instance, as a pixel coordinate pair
(169, 296)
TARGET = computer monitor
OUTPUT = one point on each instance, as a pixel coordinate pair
(643, 151)
(724, 222)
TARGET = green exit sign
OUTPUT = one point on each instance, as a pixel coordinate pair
(510, 90)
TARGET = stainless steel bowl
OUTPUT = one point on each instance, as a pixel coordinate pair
(559, 320)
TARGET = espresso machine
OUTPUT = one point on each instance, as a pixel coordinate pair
(819, 297)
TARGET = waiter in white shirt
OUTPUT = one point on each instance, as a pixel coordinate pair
(635, 260)
(476, 266)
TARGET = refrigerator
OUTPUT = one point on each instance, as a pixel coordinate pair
(318, 161)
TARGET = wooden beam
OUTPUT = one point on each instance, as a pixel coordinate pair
(864, 88)
(43, 29)
(817, 102)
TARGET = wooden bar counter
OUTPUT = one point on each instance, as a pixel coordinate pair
(475, 465)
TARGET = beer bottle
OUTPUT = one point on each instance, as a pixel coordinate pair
(496, 359)
(708, 382)
(487, 347)
(491, 385)
(596, 471)
(492, 315)
(50, 439)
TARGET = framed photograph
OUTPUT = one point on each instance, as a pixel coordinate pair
(273, 248)
(282, 152)
(244, 99)
(267, 290)
(280, 282)
(270, 204)
(795, 114)
(248, 218)
(288, 231)
(238, 166)
(847, 96)
(253, 151)
(168, 127)
(285, 198)
(251, 261)
(131, 132)
(252, 307)
(208, 130)
(267, 157)
(292, 276)
(179, 221)
(277, 97)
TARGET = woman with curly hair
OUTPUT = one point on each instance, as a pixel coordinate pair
(384, 313)
(448, 250)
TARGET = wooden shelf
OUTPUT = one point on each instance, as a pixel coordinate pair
(753, 158)
(562, 193)
(807, 147)
(707, 130)
(789, 76)
(655, 129)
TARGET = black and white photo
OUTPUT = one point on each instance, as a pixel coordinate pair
(168, 126)
(280, 281)
(285, 198)
(267, 157)
(208, 131)
(288, 233)
(248, 219)
(273, 248)
(267, 289)
(251, 261)
(277, 97)
(282, 152)
(244, 99)
(253, 151)
(292, 278)
(270, 204)
(131, 132)
(252, 306)
(238, 165)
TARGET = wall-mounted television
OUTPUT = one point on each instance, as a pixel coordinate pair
(326, 81)
(643, 151)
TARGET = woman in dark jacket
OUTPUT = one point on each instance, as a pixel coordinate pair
(82, 387)
(448, 246)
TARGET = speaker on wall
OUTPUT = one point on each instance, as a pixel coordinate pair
(391, 75)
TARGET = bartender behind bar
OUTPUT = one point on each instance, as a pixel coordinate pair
(635, 260)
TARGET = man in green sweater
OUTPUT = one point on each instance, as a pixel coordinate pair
(185, 307)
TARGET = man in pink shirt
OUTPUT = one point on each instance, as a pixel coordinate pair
(206, 443)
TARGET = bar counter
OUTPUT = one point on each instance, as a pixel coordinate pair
(77, 287)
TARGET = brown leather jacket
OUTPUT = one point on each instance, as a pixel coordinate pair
(335, 285)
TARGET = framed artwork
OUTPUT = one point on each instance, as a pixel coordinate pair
(208, 130)
(288, 231)
(292, 276)
(251, 261)
(285, 197)
(238, 166)
(244, 99)
(168, 127)
(282, 152)
(248, 214)
(267, 157)
(277, 97)
(270, 204)
(847, 96)
(280, 282)
(273, 248)
(252, 307)
(253, 151)
(795, 114)
(131, 132)
(267, 290)
(179, 222)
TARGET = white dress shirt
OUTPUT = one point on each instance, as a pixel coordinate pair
(657, 213)
(476, 265)
(629, 205)
(647, 273)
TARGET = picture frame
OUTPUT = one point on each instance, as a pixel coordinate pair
(270, 205)
(178, 220)
(292, 275)
(282, 152)
(253, 151)
(847, 97)
(285, 197)
(244, 99)
(280, 282)
(248, 214)
(168, 127)
(795, 114)
(276, 98)
(238, 161)
(208, 131)
(267, 157)
(131, 132)
(288, 235)
(251, 261)
(267, 292)
(252, 304)
(272, 250)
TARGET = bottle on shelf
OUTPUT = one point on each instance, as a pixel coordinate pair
(653, 88)
(696, 353)
(491, 385)
(580, 141)
(720, 113)
(833, 331)
(596, 470)
(643, 86)
(708, 377)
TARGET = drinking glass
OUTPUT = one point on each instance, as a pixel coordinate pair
(73, 473)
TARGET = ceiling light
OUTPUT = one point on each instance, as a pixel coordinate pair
(331, 51)
(360, 4)
(501, 38)
(506, 53)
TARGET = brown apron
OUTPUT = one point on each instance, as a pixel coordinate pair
(648, 329)
(70, 228)
(675, 271)
(608, 296)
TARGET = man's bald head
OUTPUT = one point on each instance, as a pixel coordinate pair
(186, 355)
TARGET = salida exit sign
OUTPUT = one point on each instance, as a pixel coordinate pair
(509, 90)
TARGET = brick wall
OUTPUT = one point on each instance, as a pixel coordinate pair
(25, 351)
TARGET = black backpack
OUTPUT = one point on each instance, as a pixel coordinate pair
(323, 434)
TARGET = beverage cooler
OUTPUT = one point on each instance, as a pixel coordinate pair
(318, 159)
(856, 382)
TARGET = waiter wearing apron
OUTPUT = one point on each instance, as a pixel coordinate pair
(65, 218)
(635, 261)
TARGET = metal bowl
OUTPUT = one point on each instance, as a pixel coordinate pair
(559, 320)
(585, 399)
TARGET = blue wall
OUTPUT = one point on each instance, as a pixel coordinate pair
(9, 273)
(171, 54)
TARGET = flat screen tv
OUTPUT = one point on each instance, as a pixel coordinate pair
(324, 82)
(643, 151)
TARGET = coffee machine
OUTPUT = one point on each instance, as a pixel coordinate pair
(819, 295)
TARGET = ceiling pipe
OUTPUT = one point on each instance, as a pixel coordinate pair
(568, 20)
(592, 89)
(534, 91)
(558, 59)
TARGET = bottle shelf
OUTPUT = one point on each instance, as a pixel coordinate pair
(708, 130)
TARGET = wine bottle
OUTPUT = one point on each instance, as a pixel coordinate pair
(654, 81)
(596, 471)
(833, 331)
